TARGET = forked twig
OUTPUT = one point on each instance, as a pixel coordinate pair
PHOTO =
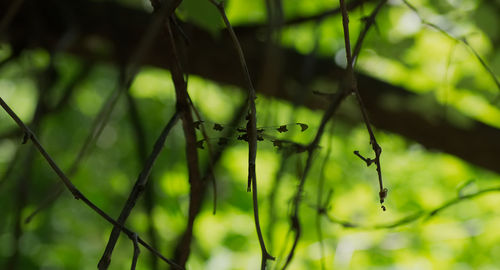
(137, 190)
(72, 188)
(137, 251)
(330, 111)
(352, 85)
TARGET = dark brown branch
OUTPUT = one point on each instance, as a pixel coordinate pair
(183, 249)
(352, 85)
(98, 125)
(251, 131)
(23, 183)
(137, 251)
(206, 51)
(126, 77)
(210, 156)
(72, 188)
(295, 219)
(252, 121)
(137, 190)
(369, 21)
(337, 100)
(142, 154)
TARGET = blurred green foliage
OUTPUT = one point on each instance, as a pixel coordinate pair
(402, 51)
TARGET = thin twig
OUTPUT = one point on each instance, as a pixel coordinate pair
(251, 131)
(330, 111)
(210, 156)
(71, 187)
(100, 121)
(352, 85)
(295, 219)
(425, 215)
(369, 21)
(137, 190)
(462, 40)
(252, 119)
(45, 84)
(126, 78)
(137, 251)
(142, 154)
(322, 206)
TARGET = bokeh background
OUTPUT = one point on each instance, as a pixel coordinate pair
(442, 210)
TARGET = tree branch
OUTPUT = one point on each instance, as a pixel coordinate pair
(205, 51)
(251, 129)
(352, 85)
(137, 190)
(72, 188)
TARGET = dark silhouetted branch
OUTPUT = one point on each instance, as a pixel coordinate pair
(72, 188)
(352, 85)
(137, 190)
(251, 129)
(205, 51)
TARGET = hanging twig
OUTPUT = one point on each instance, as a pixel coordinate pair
(251, 131)
(352, 85)
(330, 111)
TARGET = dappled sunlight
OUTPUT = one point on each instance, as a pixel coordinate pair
(95, 119)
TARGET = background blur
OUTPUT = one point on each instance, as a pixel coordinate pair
(427, 73)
